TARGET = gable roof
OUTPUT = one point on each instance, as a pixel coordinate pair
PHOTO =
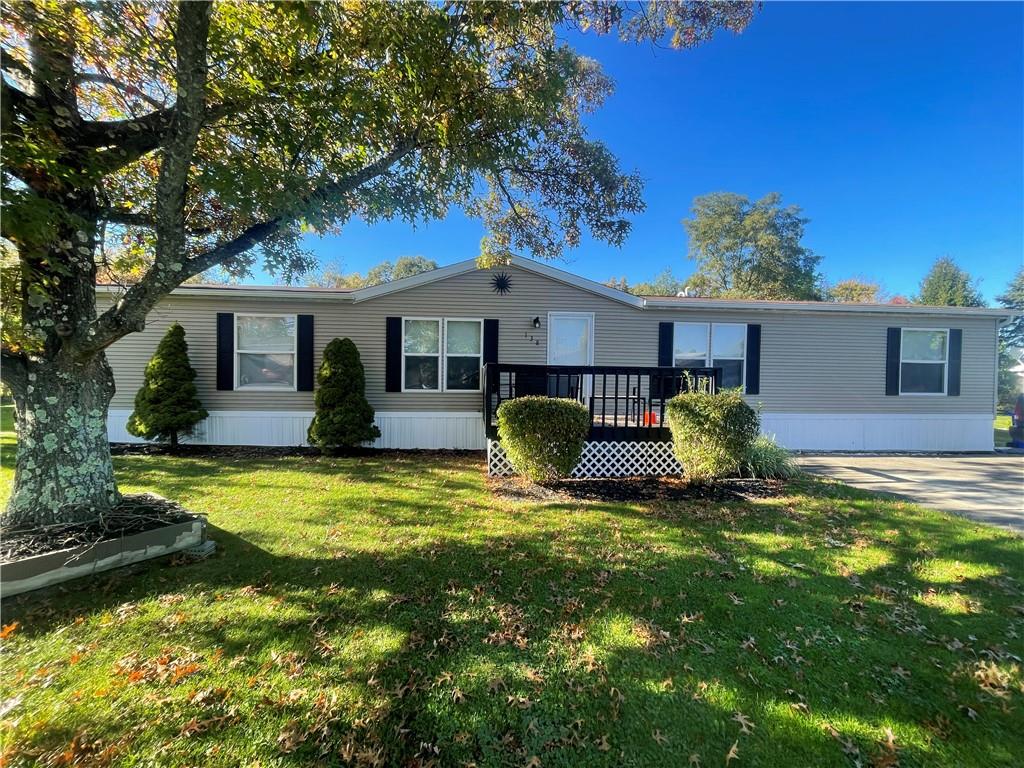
(576, 281)
(470, 265)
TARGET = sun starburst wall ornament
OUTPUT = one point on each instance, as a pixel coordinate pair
(501, 283)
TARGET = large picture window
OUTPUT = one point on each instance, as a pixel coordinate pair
(712, 345)
(265, 352)
(441, 355)
(924, 357)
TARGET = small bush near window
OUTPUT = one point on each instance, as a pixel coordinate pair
(543, 437)
(167, 405)
(768, 460)
(344, 417)
(711, 433)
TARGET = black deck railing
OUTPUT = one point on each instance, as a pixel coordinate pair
(625, 403)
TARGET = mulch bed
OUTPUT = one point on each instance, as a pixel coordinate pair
(634, 489)
(210, 451)
(265, 452)
(135, 514)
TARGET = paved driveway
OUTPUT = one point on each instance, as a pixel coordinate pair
(984, 487)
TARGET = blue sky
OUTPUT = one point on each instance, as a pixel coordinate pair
(898, 128)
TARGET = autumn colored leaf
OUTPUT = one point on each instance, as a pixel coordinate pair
(9, 629)
(733, 753)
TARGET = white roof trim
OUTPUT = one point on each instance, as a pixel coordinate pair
(247, 291)
(657, 303)
(470, 265)
(653, 302)
(423, 278)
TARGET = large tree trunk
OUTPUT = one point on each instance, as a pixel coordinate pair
(64, 472)
(62, 387)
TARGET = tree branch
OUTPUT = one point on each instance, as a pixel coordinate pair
(130, 90)
(13, 370)
(144, 221)
(129, 313)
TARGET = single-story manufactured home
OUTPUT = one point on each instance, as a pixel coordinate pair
(443, 348)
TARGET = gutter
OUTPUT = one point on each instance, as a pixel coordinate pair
(809, 306)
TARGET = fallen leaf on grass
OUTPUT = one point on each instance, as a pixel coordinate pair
(659, 737)
(734, 753)
(746, 724)
(291, 737)
(9, 629)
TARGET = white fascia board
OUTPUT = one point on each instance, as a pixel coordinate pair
(823, 306)
(470, 265)
(242, 291)
(423, 278)
(578, 282)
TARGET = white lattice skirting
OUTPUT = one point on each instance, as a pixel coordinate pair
(625, 459)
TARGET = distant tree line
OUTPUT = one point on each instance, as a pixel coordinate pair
(745, 249)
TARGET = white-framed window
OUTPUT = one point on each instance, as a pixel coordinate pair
(265, 351)
(441, 354)
(712, 345)
(463, 354)
(924, 361)
(421, 354)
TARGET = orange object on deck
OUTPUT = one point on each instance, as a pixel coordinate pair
(650, 418)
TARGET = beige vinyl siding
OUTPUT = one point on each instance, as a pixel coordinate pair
(811, 362)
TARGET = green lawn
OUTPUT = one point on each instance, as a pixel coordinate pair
(1002, 429)
(389, 611)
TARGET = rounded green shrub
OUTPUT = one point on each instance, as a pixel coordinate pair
(344, 417)
(543, 437)
(167, 405)
(711, 433)
(767, 459)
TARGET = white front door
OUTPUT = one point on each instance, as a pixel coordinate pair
(571, 342)
(570, 338)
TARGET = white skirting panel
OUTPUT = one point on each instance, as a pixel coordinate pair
(930, 432)
(437, 430)
(431, 430)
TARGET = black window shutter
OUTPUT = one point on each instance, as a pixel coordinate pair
(393, 355)
(753, 376)
(956, 344)
(304, 354)
(892, 361)
(225, 350)
(665, 343)
(490, 341)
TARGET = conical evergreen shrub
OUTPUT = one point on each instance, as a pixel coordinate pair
(167, 404)
(344, 417)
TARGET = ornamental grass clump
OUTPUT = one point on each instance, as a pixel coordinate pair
(344, 417)
(767, 460)
(543, 437)
(711, 433)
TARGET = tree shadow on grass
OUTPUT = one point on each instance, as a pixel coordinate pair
(556, 643)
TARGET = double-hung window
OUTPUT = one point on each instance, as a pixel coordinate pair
(265, 351)
(712, 345)
(924, 358)
(441, 355)
(463, 345)
(421, 353)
